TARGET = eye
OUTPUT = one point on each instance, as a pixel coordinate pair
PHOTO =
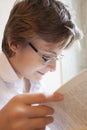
(46, 58)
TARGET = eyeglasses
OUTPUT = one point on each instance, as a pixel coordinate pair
(45, 58)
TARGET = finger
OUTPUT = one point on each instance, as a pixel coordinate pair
(41, 129)
(38, 111)
(29, 99)
(55, 97)
(39, 98)
(38, 123)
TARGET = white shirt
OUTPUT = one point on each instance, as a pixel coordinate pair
(10, 83)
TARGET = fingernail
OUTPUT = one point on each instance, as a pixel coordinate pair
(59, 96)
(50, 120)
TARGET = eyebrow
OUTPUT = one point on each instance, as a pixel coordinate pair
(51, 52)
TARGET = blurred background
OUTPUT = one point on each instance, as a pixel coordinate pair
(75, 59)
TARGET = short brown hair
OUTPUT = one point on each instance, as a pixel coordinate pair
(48, 19)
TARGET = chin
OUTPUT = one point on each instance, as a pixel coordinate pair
(36, 79)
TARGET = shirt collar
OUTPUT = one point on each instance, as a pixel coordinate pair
(7, 72)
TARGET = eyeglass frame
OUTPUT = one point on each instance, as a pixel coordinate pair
(45, 59)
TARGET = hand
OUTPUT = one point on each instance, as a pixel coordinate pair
(20, 114)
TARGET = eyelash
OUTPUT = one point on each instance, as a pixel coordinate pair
(45, 59)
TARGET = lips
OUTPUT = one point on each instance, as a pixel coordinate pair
(41, 73)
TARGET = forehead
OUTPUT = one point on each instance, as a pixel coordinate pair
(46, 46)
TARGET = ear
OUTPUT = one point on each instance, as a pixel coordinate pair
(13, 45)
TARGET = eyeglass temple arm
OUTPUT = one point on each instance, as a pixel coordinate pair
(33, 47)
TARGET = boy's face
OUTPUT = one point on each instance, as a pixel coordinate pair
(30, 64)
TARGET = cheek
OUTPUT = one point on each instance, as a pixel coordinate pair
(29, 65)
(30, 71)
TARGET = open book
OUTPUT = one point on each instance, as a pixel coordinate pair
(71, 113)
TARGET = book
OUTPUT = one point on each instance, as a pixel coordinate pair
(71, 113)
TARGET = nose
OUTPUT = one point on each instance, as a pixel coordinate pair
(52, 66)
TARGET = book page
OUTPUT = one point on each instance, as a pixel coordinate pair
(71, 113)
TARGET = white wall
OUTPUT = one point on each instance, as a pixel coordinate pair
(81, 50)
(5, 6)
(82, 62)
(76, 58)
